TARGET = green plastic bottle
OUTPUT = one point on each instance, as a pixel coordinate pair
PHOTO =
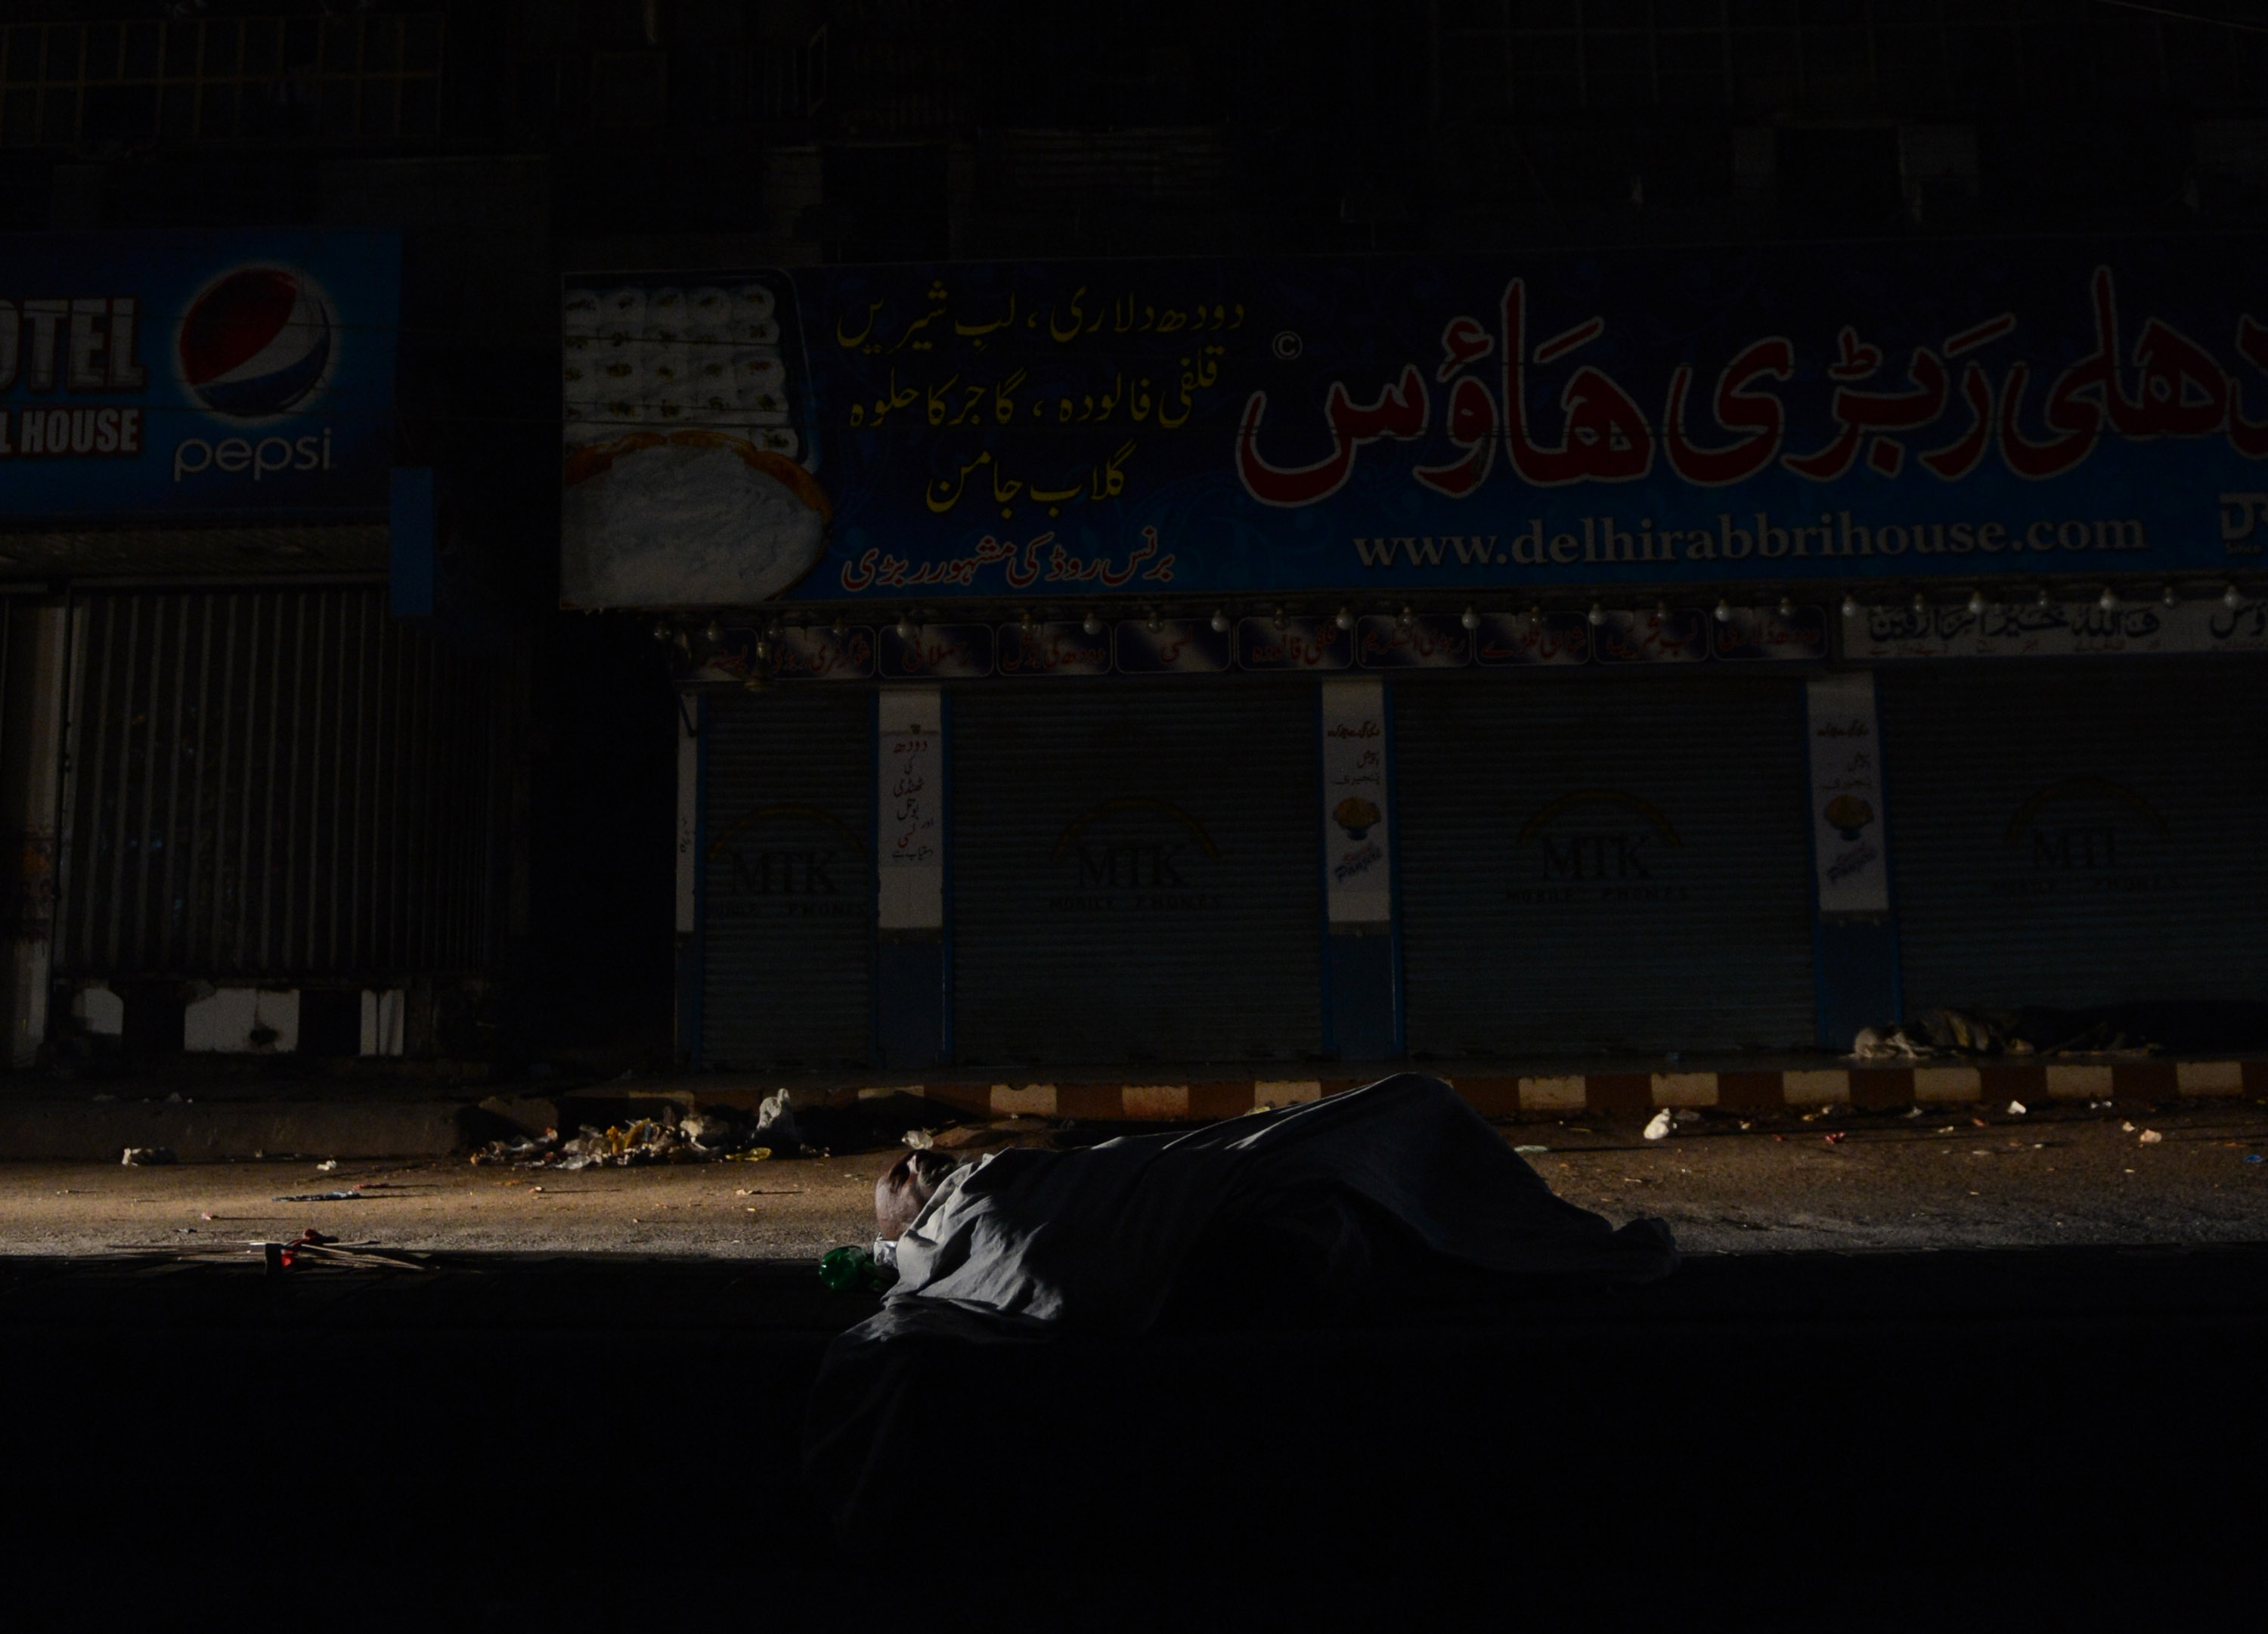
(850, 1270)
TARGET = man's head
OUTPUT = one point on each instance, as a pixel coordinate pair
(900, 1193)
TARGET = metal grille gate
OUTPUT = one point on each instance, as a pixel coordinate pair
(2071, 835)
(1136, 874)
(1609, 864)
(272, 783)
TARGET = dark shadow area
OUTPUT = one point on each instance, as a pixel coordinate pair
(1947, 1440)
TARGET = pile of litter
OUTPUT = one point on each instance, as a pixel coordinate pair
(707, 1136)
(2134, 1030)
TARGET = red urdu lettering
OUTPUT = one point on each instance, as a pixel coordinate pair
(1399, 411)
(2249, 438)
(1760, 414)
(2080, 421)
(1607, 438)
(1958, 460)
(1863, 414)
(1472, 426)
(2184, 393)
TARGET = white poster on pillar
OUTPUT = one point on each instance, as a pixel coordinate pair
(910, 815)
(1846, 796)
(1358, 883)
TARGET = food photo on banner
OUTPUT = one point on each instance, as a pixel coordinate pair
(146, 374)
(1158, 427)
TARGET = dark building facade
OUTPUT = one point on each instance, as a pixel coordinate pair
(1287, 804)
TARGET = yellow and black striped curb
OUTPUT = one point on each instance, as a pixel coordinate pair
(1509, 1095)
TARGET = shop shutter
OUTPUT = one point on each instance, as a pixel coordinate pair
(274, 785)
(787, 908)
(1596, 866)
(2072, 834)
(1135, 873)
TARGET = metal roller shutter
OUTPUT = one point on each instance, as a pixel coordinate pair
(1618, 865)
(1135, 873)
(278, 785)
(2079, 835)
(787, 908)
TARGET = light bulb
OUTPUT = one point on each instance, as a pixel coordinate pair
(2167, 596)
(1155, 622)
(2230, 598)
(1976, 604)
(1024, 621)
(1219, 623)
(1407, 618)
(1849, 607)
(841, 626)
(1786, 607)
(905, 628)
(662, 630)
(1534, 616)
(1344, 619)
(2044, 601)
(1921, 602)
(2108, 600)
(714, 631)
(1093, 625)
(1724, 611)
(1597, 614)
(1470, 619)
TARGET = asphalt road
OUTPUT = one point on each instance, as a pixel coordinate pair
(1845, 1181)
(1923, 1374)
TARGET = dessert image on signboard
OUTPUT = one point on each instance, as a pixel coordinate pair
(690, 465)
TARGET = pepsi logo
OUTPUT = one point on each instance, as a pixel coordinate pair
(257, 343)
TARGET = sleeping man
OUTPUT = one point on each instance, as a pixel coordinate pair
(1351, 1207)
(1388, 1202)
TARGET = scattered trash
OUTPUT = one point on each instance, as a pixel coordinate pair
(775, 1121)
(850, 1270)
(1836, 1138)
(1659, 1128)
(1875, 1044)
(147, 1157)
(2015, 1108)
(2125, 1129)
(328, 1166)
(2134, 1030)
(321, 1196)
(2151, 1137)
(2252, 1156)
(173, 1100)
(1531, 1151)
(315, 1246)
(920, 1139)
(1913, 1112)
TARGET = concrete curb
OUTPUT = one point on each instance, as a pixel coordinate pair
(80, 1130)
(1627, 1093)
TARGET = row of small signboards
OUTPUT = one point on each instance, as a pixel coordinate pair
(1493, 640)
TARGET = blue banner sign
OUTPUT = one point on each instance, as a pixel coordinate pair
(1055, 430)
(155, 373)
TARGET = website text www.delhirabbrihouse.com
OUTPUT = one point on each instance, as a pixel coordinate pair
(1604, 539)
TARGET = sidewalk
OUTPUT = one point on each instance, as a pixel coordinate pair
(204, 1115)
(1847, 1180)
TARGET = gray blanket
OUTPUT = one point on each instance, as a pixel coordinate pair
(1364, 1206)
